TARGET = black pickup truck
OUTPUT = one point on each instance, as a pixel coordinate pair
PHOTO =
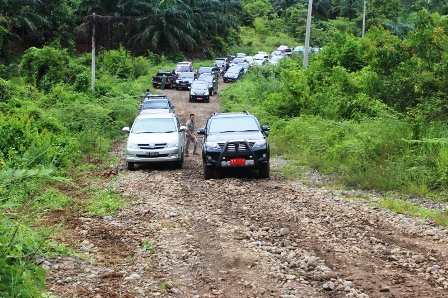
(170, 79)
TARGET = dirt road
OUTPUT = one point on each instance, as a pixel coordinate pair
(241, 236)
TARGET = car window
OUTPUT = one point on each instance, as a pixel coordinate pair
(182, 68)
(155, 104)
(186, 75)
(153, 125)
(200, 86)
(236, 124)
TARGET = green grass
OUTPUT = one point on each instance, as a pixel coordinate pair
(106, 203)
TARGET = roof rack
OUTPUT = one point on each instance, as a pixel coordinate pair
(156, 96)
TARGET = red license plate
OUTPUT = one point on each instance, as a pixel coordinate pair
(199, 98)
(237, 161)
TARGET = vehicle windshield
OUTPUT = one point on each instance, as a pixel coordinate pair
(186, 75)
(238, 60)
(205, 69)
(153, 125)
(198, 87)
(234, 70)
(234, 124)
(155, 104)
(182, 68)
(207, 78)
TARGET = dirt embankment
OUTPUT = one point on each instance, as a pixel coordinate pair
(241, 236)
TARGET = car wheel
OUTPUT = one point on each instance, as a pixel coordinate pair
(208, 173)
(130, 166)
(264, 172)
(178, 164)
(154, 86)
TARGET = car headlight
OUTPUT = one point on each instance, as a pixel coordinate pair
(131, 145)
(259, 143)
(173, 143)
(212, 145)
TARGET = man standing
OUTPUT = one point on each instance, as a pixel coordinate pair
(190, 136)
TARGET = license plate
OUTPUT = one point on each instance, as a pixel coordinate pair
(199, 98)
(152, 153)
(183, 84)
(237, 161)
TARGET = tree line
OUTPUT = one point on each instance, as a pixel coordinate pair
(170, 26)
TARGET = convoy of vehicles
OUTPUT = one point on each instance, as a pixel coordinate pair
(231, 140)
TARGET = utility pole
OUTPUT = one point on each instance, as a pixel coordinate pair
(93, 52)
(307, 35)
(364, 19)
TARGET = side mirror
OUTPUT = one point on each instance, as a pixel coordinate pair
(183, 128)
(125, 129)
(201, 131)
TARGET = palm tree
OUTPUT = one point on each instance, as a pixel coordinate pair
(166, 24)
(18, 18)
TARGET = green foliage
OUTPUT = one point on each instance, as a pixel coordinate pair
(106, 203)
(45, 67)
(344, 50)
(117, 63)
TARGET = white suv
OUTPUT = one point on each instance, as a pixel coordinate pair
(155, 138)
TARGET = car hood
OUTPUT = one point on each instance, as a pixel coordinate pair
(237, 136)
(146, 138)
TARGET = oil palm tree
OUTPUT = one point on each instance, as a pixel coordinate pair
(17, 18)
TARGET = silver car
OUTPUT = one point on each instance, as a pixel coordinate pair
(155, 138)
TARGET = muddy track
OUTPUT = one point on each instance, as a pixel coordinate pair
(241, 236)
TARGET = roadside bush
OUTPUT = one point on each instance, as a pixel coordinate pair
(45, 67)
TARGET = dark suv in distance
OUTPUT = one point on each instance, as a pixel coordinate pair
(234, 140)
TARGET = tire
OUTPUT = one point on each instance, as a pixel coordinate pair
(130, 166)
(179, 164)
(264, 172)
(154, 86)
(208, 173)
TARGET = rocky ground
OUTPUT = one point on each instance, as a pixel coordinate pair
(241, 236)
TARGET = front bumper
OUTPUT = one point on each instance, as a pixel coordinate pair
(156, 155)
(223, 158)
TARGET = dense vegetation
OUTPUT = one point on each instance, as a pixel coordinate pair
(370, 111)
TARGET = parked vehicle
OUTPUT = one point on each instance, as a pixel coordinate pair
(234, 140)
(185, 79)
(170, 79)
(245, 65)
(222, 62)
(155, 138)
(240, 55)
(184, 66)
(208, 70)
(156, 103)
(211, 81)
(237, 61)
(199, 92)
(275, 60)
(260, 59)
(233, 74)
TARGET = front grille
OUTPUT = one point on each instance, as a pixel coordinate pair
(241, 146)
(149, 156)
(148, 147)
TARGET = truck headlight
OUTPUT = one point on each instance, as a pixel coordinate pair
(260, 143)
(212, 145)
